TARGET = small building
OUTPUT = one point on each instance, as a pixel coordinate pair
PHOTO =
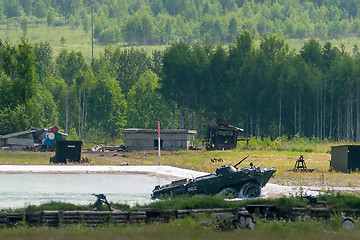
(345, 157)
(170, 139)
(24, 139)
(19, 140)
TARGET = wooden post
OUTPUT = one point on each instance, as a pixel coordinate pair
(158, 123)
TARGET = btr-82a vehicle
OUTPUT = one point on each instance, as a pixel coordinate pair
(228, 181)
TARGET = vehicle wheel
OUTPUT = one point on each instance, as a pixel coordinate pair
(250, 190)
(229, 192)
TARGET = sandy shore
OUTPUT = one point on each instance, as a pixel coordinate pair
(58, 169)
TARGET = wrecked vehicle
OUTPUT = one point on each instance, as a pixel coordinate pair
(228, 181)
(223, 136)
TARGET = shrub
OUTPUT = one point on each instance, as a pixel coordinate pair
(295, 144)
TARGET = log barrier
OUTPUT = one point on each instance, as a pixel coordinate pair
(237, 217)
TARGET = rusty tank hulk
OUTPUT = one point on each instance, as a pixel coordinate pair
(223, 136)
(228, 181)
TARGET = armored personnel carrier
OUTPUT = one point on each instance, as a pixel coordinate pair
(228, 180)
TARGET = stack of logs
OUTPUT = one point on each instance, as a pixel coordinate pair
(238, 218)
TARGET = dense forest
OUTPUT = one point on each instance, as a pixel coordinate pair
(267, 89)
(143, 22)
(211, 67)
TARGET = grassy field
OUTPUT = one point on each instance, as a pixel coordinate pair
(78, 40)
(75, 39)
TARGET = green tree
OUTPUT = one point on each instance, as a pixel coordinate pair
(132, 29)
(345, 91)
(86, 23)
(13, 120)
(184, 79)
(228, 5)
(297, 85)
(24, 83)
(7, 60)
(72, 68)
(147, 28)
(107, 105)
(42, 110)
(214, 28)
(12, 8)
(27, 6)
(145, 104)
(118, 8)
(190, 13)
(174, 7)
(60, 92)
(272, 65)
(156, 62)
(1, 10)
(289, 28)
(321, 30)
(156, 6)
(175, 85)
(68, 7)
(163, 29)
(330, 55)
(17, 74)
(138, 28)
(24, 25)
(43, 60)
(240, 73)
(7, 99)
(233, 27)
(40, 10)
(311, 52)
(70, 65)
(109, 35)
(125, 66)
(216, 99)
(50, 19)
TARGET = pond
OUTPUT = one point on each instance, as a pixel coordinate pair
(22, 185)
(19, 190)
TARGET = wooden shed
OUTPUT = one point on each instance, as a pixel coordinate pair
(28, 138)
(19, 140)
(147, 139)
(345, 157)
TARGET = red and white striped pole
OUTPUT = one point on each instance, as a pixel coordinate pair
(158, 123)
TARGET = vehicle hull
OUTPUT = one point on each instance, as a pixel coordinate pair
(225, 177)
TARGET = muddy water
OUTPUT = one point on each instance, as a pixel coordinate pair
(21, 190)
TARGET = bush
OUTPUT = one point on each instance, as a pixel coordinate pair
(109, 35)
(340, 201)
(295, 144)
(55, 206)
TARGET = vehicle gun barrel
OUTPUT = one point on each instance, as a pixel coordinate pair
(241, 160)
